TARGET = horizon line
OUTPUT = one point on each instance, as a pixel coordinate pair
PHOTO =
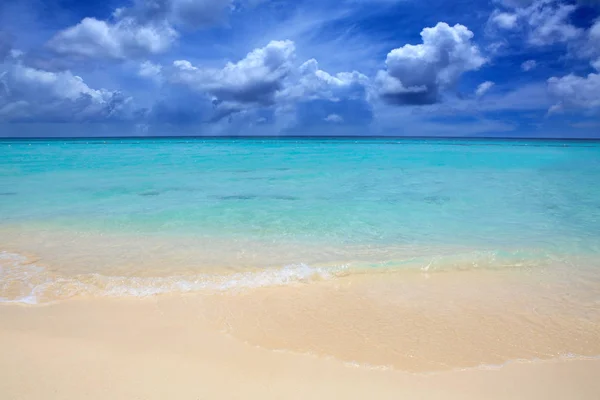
(296, 137)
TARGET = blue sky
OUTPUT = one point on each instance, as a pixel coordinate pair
(515, 68)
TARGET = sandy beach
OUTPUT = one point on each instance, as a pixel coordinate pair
(155, 349)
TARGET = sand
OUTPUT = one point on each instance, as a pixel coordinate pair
(274, 333)
(156, 348)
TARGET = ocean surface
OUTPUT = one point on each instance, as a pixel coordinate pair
(157, 215)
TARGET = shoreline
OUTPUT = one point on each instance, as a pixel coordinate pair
(151, 349)
(492, 330)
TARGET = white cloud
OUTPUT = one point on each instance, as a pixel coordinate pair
(549, 23)
(254, 79)
(150, 70)
(528, 65)
(577, 92)
(314, 83)
(591, 47)
(573, 91)
(545, 21)
(334, 118)
(120, 40)
(505, 20)
(16, 53)
(34, 94)
(416, 73)
(483, 88)
(148, 27)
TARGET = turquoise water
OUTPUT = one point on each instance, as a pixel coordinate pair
(293, 204)
(486, 193)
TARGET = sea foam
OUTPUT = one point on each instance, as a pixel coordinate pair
(24, 282)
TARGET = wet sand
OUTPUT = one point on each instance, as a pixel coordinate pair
(156, 348)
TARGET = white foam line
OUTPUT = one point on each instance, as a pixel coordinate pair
(116, 286)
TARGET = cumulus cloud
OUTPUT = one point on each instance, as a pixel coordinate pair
(254, 79)
(416, 74)
(147, 27)
(545, 21)
(341, 98)
(573, 91)
(483, 88)
(314, 83)
(123, 39)
(269, 77)
(580, 92)
(528, 65)
(31, 94)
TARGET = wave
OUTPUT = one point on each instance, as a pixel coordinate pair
(24, 281)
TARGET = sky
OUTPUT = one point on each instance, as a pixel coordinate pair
(493, 68)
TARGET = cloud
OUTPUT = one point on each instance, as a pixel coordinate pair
(194, 14)
(318, 96)
(148, 27)
(334, 118)
(417, 73)
(580, 92)
(575, 92)
(591, 47)
(549, 23)
(124, 39)
(150, 70)
(190, 14)
(545, 22)
(314, 83)
(529, 98)
(30, 94)
(254, 79)
(269, 77)
(528, 65)
(483, 88)
(504, 20)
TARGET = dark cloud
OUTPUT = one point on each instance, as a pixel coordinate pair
(254, 79)
(35, 95)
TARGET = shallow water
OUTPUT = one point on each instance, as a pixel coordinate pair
(185, 206)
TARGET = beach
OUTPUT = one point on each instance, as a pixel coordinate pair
(156, 349)
(295, 269)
